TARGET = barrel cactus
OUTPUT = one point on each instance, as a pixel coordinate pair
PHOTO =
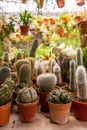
(6, 57)
(79, 59)
(5, 94)
(46, 81)
(72, 76)
(27, 95)
(81, 81)
(4, 73)
(25, 74)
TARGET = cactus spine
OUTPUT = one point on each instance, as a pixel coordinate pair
(79, 59)
(46, 81)
(81, 81)
(72, 75)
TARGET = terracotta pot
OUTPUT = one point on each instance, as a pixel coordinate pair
(24, 30)
(82, 27)
(5, 114)
(60, 3)
(80, 2)
(41, 3)
(24, 1)
(59, 112)
(27, 111)
(43, 100)
(80, 110)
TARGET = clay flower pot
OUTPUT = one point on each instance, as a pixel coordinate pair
(80, 2)
(59, 112)
(82, 27)
(60, 3)
(5, 114)
(24, 30)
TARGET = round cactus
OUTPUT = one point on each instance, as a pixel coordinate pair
(46, 81)
(79, 59)
(81, 81)
(27, 95)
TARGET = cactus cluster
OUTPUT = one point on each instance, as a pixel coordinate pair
(81, 81)
(79, 59)
(4, 73)
(46, 81)
(27, 95)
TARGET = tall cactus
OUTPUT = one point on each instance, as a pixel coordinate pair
(72, 75)
(79, 59)
(52, 62)
(19, 56)
(46, 81)
(33, 48)
(81, 81)
(6, 57)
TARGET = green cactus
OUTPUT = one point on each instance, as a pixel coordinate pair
(19, 56)
(46, 81)
(21, 62)
(10, 83)
(5, 94)
(6, 57)
(27, 95)
(33, 48)
(81, 81)
(4, 73)
(79, 59)
(72, 76)
(25, 74)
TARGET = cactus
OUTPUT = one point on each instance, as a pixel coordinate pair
(57, 72)
(14, 77)
(79, 59)
(21, 62)
(25, 74)
(6, 57)
(19, 56)
(81, 81)
(5, 94)
(9, 82)
(72, 76)
(33, 48)
(52, 62)
(4, 73)
(46, 81)
(27, 95)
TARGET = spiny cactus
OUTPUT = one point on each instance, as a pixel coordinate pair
(21, 62)
(5, 94)
(25, 74)
(52, 62)
(33, 48)
(57, 72)
(6, 57)
(19, 56)
(9, 82)
(72, 75)
(79, 59)
(81, 81)
(27, 95)
(46, 81)
(4, 73)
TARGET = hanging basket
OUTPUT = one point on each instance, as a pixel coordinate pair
(80, 2)
(60, 3)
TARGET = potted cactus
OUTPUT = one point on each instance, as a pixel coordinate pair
(46, 82)
(80, 102)
(59, 102)
(27, 102)
(79, 58)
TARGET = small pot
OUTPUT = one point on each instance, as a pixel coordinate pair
(60, 3)
(24, 30)
(80, 2)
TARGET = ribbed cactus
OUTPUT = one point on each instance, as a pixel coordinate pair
(5, 94)
(21, 62)
(25, 74)
(46, 81)
(6, 57)
(57, 72)
(72, 75)
(27, 95)
(19, 56)
(79, 59)
(4, 73)
(33, 48)
(81, 81)
(9, 82)
(52, 62)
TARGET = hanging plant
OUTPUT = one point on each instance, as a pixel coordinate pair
(60, 3)
(80, 2)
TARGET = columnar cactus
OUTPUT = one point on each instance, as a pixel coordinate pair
(57, 72)
(4, 73)
(5, 94)
(27, 95)
(72, 75)
(81, 81)
(25, 74)
(46, 81)
(6, 57)
(79, 59)
(52, 62)
(19, 56)
(33, 48)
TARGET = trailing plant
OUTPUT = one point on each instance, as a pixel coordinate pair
(79, 58)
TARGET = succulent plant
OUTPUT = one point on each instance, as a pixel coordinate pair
(25, 74)
(27, 95)
(81, 81)
(79, 59)
(33, 48)
(6, 57)
(9, 82)
(4, 73)
(46, 81)
(72, 76)
(5, 94)
(59, 96)
(19, 56)
(52, 62)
